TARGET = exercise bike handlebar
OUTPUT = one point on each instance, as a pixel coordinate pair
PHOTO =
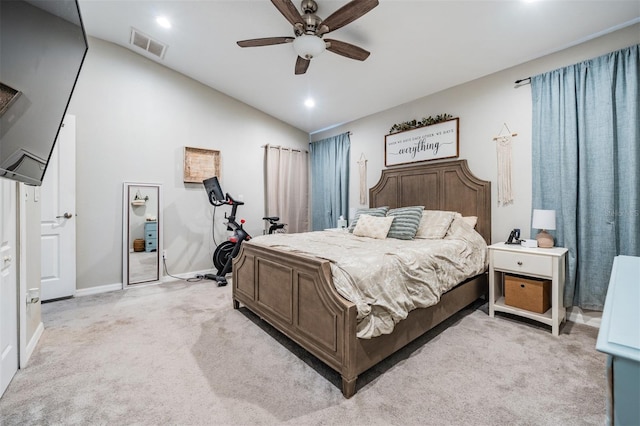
(227, 200)
(233, 202)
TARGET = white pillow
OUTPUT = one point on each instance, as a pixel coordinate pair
(375, 211)
(459, 227)
(471, 220)
(434, 224)
(373, 227)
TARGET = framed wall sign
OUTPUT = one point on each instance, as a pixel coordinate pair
(200, 164)
(433, 142)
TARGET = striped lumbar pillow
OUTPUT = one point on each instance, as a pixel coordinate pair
(406, 221)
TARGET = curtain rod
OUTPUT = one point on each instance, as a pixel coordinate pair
(283, 147)
(523, 79)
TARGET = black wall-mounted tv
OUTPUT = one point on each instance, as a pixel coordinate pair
(42, 47)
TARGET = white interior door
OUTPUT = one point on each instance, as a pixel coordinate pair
(8, 284)
(58, 226)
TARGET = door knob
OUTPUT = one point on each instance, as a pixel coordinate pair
(66, 216)
(7, 258)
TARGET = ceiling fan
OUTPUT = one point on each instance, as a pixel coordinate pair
(309, 29)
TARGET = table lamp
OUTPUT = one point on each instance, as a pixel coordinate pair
(543, 220)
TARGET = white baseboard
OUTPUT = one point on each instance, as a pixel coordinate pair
(590, 318)
(31, 346)
(97, 290)
(118, 286)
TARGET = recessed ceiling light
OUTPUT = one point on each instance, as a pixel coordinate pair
(163, 22)
(309, 103)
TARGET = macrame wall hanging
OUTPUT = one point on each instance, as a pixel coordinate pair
(362, 163)
(503, 148)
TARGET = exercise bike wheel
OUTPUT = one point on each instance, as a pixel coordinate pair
(222, 254)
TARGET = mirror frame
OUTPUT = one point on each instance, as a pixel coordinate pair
(126, 209)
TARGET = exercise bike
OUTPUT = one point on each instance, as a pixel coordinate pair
(274, 226)
(226, 251)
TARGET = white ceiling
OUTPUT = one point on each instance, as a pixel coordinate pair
(417, 47)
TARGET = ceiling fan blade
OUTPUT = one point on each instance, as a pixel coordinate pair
(302, 65)
(346, 49)
(346, 14)
(268, 41)
(290, 12)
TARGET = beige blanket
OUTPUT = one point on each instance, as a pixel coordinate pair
(386, 279)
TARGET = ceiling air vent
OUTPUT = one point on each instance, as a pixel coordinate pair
(148, 44)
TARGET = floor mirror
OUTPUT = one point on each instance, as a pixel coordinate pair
(141, 233)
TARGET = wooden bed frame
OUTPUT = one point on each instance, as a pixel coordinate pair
(295, 294)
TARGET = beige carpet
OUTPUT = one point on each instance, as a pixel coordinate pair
(178, 354)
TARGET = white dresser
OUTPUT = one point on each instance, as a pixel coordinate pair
(619, 337)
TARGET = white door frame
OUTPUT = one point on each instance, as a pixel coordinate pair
(26, 347)
(9, 327)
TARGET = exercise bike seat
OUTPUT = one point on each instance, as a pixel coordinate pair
(271, 218)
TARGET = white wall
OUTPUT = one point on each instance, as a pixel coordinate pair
(483, 106)
(134, 118)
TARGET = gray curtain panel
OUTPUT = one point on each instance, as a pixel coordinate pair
(287, 187)
(329, 181)
(586, 162)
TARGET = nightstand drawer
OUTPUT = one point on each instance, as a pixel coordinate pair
(523, 263)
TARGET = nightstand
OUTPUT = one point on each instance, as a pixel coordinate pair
(545, 263)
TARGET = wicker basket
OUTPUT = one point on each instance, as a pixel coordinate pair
(138, 244)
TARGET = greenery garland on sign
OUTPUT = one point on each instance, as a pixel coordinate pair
(414, 124)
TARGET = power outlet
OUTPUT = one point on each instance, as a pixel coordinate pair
(164, 254)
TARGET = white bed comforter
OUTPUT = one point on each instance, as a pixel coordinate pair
(386, 279)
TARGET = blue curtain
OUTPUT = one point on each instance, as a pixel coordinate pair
(586, 162)
(329, 181)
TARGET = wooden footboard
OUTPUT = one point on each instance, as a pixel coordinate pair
(295, 294)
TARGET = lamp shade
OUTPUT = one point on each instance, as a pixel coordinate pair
(308, 46)
(544, 219)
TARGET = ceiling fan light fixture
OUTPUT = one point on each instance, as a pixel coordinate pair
(308, 46)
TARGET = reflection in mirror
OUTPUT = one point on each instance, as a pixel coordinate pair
(142, 239)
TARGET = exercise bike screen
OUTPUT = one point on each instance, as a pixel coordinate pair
(212, 186)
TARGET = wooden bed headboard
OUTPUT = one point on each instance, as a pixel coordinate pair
(439, 186)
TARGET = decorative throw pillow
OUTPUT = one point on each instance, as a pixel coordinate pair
(405, 223)
(372, 226)
(459, 227)
(434, 224)
(376, 212)
(471, 220)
